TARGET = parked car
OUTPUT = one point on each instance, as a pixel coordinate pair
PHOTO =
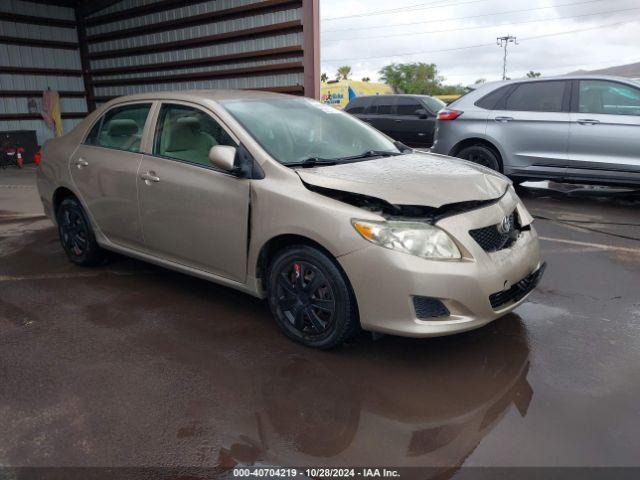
(409, 119)
(576, 128)
(291, 200)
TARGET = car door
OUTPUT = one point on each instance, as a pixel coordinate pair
(414, 124)
(531, 125)
(104, 171)
(380, 115)
(605, 130)
(192, 213)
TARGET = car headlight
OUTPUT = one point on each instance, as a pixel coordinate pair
(419, 239)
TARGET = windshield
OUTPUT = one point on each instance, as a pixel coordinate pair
(293, 130)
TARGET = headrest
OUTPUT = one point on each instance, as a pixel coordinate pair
(122, 127)
(183, 134)
(192, 122)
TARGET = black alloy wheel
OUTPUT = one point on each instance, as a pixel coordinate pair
(481, 155)
(76, 235)
(310, 299)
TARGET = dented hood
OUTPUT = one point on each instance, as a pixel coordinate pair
(413, 179)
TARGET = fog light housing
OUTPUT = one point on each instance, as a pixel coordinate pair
(427, 307)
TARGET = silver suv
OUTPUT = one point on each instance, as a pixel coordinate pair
(574, 128)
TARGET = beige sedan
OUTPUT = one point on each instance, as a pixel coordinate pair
(339, 227)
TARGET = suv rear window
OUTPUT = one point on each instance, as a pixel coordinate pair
(490, 100)
(537, 97)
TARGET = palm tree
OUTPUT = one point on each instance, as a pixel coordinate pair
(344, 72)
(324, 77)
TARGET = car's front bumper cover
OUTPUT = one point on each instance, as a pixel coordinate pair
(385, 281)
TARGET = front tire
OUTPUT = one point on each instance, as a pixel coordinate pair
(76, 234)
(310, 298)
(481, 155)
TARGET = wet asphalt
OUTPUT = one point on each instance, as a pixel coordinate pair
(133, 365)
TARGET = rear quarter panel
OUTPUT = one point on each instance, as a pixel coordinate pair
(53, 171)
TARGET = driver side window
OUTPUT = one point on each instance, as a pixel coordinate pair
(612, 98)
(187, 134)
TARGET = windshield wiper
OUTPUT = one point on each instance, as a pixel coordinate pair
(312, 162)
(370, 154)
(315, 161)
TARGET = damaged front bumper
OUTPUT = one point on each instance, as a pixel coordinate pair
(387, 283)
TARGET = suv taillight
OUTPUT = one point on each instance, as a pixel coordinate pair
(447, 114)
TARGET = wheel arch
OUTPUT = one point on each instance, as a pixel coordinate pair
(59, 195)
(468, 142)
(276, 244)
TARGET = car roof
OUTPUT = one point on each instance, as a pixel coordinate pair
(199, 95)
(488, 87)
(584, 76)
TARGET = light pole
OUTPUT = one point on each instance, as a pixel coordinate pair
(504, 42)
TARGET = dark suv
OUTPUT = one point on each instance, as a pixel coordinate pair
(409, 119)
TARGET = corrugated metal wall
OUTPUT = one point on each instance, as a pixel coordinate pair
(132, 46)
(36, 54)
(151, 45)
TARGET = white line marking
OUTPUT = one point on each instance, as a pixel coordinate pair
(599, 246)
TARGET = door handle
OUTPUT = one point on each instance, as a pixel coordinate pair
(503, 119)
(81, 162)
(398, 121)
(588, 121)
(150, 177)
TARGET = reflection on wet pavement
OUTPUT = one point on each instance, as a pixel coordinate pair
(130, 364)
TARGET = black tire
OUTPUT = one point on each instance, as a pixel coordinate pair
(76, 234)
(310, 298)
(482, 155)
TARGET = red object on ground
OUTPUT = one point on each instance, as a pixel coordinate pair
(37, 158)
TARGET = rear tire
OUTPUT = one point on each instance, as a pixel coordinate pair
(310, 298)
(76, 234)
(482, 155)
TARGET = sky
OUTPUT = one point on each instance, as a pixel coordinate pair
(459, 36)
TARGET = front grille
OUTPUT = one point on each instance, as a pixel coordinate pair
(518, 291)
(494, 238)
(427, 307)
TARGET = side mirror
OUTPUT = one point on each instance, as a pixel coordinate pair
(222, 157)
(422, 113)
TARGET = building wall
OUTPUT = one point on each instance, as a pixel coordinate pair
(132, 46)
(151, 45)
(36, 54)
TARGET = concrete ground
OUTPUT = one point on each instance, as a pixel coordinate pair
(131, 365)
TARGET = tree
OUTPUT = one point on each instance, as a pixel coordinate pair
(344, 72)
(366, 79)
(324, 77)
(533, 74)
(416, 78)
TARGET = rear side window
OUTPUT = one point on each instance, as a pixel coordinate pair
(382, 106)
(407, 106)
(120, 128)
(537, 97)
(491, 100)
(357, 105)
(612, 98)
